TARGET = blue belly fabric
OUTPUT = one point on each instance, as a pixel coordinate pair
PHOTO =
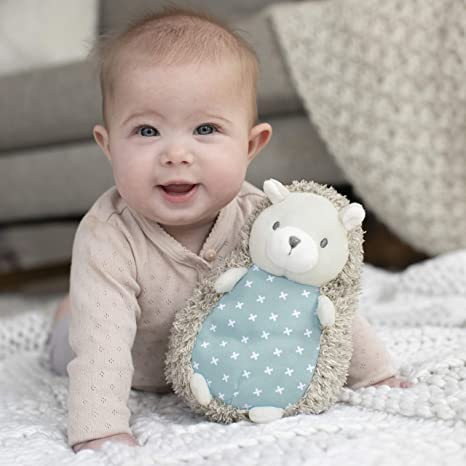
(259, 346)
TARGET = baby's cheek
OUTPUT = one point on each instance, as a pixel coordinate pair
(133, 183)
(227, 180)
(232, 169)
(125, 180)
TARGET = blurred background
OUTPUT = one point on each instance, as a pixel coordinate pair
(51, 171)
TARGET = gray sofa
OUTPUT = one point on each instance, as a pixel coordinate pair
(51, 171)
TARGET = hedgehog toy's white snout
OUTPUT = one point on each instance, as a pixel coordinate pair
(292, 250)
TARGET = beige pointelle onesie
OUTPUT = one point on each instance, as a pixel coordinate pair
(128, 278)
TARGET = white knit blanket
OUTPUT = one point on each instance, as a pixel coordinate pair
(384, 82)
(420, 314)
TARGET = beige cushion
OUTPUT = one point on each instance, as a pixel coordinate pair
(33, 245)
(52, 181)
(50, 106)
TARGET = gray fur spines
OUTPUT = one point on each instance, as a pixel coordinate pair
(336, 341)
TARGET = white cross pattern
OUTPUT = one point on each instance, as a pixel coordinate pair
(273, 316)
(252, 317)
(255, 268)
(196, 365)
(270, 278)
(248, 284)
(310, 368)
(213, 328)
(223, 344)
(214, 361)
(257, 392)
(268, 370)
(296, 313)
(239, 305)
(279, 389)
(301, 386)
(234, 355)
(246, 406)
(244, 339)
(265, 335)
(277, 352)
(287, 331)
(235, 394)
(305, 293)
(246, 374)
(221, 396)
(299, 350)
(308, 333)
(254, 355)
(222, 306)
(205, 344)
(231, 323)
(260, 299)
(225, 377)
(289, 371)
(283, 296)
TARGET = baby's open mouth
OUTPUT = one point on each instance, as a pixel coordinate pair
(178, 189)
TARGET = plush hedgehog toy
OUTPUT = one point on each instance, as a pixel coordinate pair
(268, 333)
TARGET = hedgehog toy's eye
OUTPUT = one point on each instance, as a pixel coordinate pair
(323, 243)
(276, 225)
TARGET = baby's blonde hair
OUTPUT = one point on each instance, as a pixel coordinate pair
(174, 36)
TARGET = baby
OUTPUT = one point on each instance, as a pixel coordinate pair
(179, 107)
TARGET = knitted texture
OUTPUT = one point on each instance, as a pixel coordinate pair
(420, 314)
(384, 83)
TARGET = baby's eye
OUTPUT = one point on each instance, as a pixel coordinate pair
(205, 129)
(324, 243)
(276, 225)
(148, 131)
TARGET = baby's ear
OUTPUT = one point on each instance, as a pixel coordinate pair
(101, 138)
(352, 215)
(275, 191)
(259, 136)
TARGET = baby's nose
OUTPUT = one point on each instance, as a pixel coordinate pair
(176, 156)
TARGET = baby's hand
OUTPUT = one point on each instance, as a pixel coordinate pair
(97, 443)
(394, 382)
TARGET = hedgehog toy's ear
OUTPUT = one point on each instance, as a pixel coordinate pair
(275, 191)
(352, 215)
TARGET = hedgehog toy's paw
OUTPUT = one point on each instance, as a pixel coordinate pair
(227, 281)
(326, 311)
(200, 389)
(264, 414)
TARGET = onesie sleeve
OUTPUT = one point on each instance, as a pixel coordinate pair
(104, 311)
(370, 362)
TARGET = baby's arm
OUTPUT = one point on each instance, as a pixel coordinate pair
(370, 364)
(104, 310)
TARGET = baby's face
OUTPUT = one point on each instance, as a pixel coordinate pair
(179, 140)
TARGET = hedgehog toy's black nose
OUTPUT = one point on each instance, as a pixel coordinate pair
(294, 241)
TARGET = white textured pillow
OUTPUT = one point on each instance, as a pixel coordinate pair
(384, 82)
(38, 33)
